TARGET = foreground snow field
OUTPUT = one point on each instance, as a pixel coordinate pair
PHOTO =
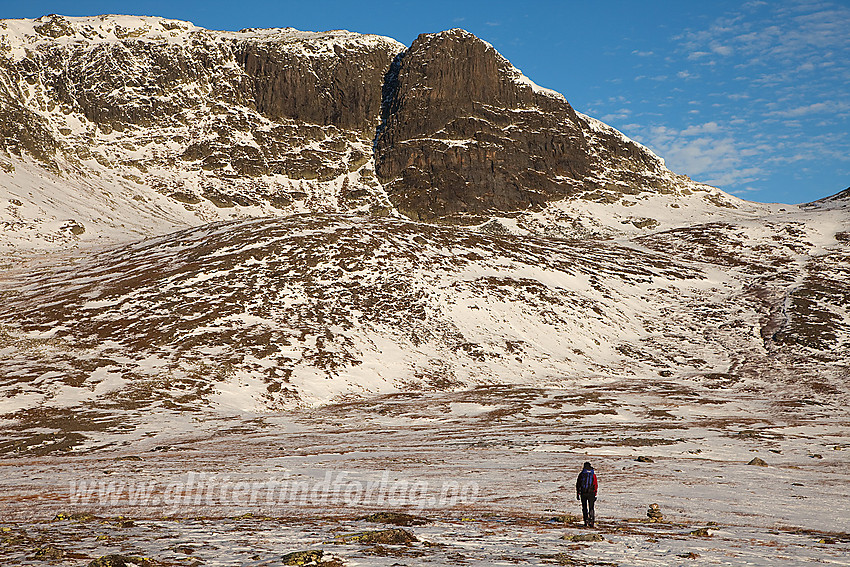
(508, 455)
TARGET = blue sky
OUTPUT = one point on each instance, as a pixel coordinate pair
(753, 97)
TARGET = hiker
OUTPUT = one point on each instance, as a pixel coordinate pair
(586, 492)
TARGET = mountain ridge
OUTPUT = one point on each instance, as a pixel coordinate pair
(199, 125)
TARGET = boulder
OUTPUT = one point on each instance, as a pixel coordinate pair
(309, 557)
(396, 519)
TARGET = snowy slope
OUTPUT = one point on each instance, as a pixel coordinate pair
(272, 312)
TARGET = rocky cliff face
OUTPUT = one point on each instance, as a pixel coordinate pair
(179, 125)
(466, 134)
(463, 135)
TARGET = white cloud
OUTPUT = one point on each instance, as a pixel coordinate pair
(772, 87)
(814, 108)
(707, 128)
(698, 55)
(779, 72)
(621, 114)
(707, 152)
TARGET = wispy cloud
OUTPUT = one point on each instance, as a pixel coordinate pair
(757, 95)
(770, 70)
(707, 152)
(722, 49)
(707, 128)
(801, 34)
(618, 115)
(830, 106)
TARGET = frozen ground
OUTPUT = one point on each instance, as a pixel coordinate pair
(493, 467)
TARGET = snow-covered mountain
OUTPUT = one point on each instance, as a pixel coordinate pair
(113, 128)
(265, 218)
(121, 127)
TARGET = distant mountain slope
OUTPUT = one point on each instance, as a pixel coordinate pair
(115, 127)
(270, 312)
(837, 201)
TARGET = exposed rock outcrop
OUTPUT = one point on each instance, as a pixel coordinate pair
(293, 80)
(463, 133)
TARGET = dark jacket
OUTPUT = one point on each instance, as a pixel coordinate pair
(586, 486)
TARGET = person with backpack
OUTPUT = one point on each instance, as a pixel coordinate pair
(586, 487)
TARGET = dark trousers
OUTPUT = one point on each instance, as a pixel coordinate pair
(587, 509)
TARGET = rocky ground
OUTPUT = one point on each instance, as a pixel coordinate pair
(492, 469)
(454, 540)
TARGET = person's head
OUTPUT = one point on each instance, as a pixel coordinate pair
(587, 466)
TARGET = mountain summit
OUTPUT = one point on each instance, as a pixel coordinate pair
(136, 126)
(465, 132)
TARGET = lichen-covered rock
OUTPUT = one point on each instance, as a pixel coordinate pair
(73, 516)
(309, 557)
(120, 561)
(396, 519)
(397, 536)
(565, 519)
(48, 553)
